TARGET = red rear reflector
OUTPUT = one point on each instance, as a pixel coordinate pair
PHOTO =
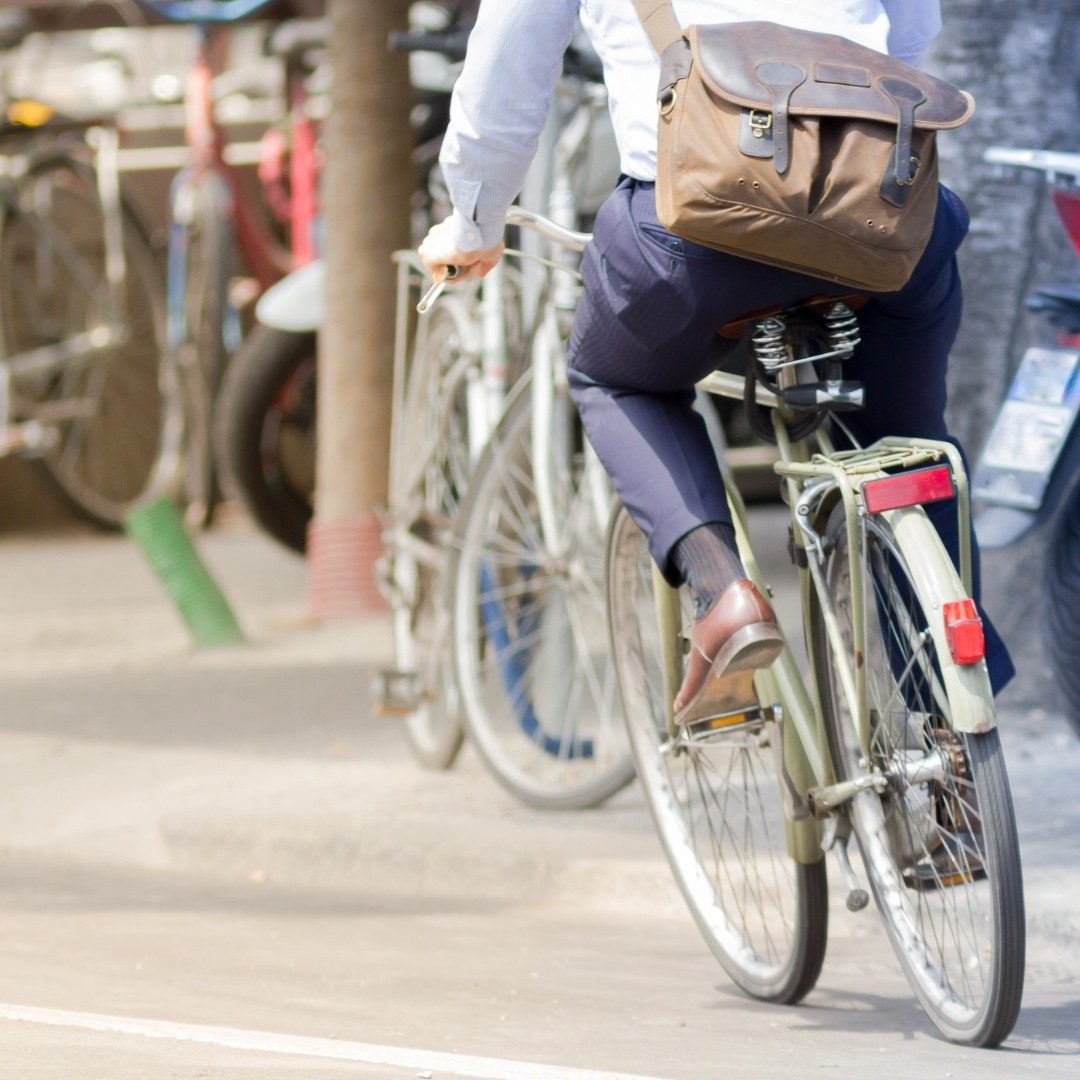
(908, 489)
(964, 632)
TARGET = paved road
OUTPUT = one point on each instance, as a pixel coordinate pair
(218, 864)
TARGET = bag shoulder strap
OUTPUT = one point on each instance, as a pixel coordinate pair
(658, 18)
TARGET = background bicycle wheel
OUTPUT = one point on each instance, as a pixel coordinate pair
(115, 413)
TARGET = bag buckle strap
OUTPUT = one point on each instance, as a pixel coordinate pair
(907, 97)
(782, 80)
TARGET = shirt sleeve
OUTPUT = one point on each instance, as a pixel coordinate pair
(498, 109)
(913, 25)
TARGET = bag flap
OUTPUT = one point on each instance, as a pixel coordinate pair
(841, 77)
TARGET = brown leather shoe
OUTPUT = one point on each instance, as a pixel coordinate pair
(737, 636)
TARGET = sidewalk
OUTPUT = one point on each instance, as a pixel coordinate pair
(79, 601)
(121, 743)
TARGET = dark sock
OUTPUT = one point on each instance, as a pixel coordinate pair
(708, 559)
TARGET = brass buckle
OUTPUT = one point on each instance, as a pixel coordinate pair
(666, 101)
(759, 122)
(916, 162)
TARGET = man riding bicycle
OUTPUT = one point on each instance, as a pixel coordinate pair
(646, 326)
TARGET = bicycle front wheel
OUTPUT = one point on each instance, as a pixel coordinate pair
(200, 263)
(939, 837)
(429, 475)
(530, 641)
(716, 801)
(114, 407)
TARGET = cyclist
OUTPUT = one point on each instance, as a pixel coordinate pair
(645, 330)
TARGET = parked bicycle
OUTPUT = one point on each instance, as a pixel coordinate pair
(1026, 474)
(85, 384)
(215, 230)
(891, 736)
(532, 680)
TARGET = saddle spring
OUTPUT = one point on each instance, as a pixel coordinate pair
(770, 342)
(842, 328)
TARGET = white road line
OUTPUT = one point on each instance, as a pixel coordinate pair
(338, 1050)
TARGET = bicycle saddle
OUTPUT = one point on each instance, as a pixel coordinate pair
(813, 305)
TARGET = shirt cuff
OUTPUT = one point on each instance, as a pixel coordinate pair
(469, 235)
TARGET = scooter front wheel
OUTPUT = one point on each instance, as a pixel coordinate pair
(265, 431)
(1062, 619)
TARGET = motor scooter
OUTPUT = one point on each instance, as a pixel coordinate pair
(1026, 476)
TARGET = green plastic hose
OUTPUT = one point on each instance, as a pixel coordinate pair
(159, 532)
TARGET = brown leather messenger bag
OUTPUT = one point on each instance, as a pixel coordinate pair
(797, 149)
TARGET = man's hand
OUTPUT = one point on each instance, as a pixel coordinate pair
(438, 251)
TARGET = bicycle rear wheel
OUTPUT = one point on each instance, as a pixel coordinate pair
(939, 842)
(717, 804)
(530, 641)
(114, 410)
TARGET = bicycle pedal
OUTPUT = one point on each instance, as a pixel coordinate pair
(393, 693)
(706, 728)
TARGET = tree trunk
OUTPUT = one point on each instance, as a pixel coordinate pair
(367, 185)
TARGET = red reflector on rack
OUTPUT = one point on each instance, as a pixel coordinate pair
(908, 489)
(964, 632)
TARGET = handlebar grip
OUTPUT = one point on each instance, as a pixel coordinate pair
(449, 43)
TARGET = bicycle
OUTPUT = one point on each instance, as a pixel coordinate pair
(467, 353)
(213, 227)
(84, 385)
(532, 683)
(890, 738)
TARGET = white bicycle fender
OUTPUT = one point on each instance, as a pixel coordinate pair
(297, 302)
(968, 685)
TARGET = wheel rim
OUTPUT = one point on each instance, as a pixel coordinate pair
(717, 805)
(423, 507)
(922, 840)
(531, 642)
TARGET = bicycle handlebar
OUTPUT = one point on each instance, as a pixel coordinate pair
(453, 43)
(203, 11)
(568, 238)
(1051, 162)
(449, 43)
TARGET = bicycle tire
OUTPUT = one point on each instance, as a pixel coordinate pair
(116, 414)
(264, 431)
(941, 854)
(717, 807)
(530, 642)
(430, 474)
(200, 257)
(1061, 624)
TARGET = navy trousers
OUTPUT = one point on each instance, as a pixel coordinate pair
(646, 332)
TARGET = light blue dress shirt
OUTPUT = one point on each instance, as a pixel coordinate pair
(501, 99)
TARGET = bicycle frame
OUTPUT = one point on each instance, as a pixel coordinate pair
(815, 482)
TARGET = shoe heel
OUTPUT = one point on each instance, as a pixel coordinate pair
(727, 693)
